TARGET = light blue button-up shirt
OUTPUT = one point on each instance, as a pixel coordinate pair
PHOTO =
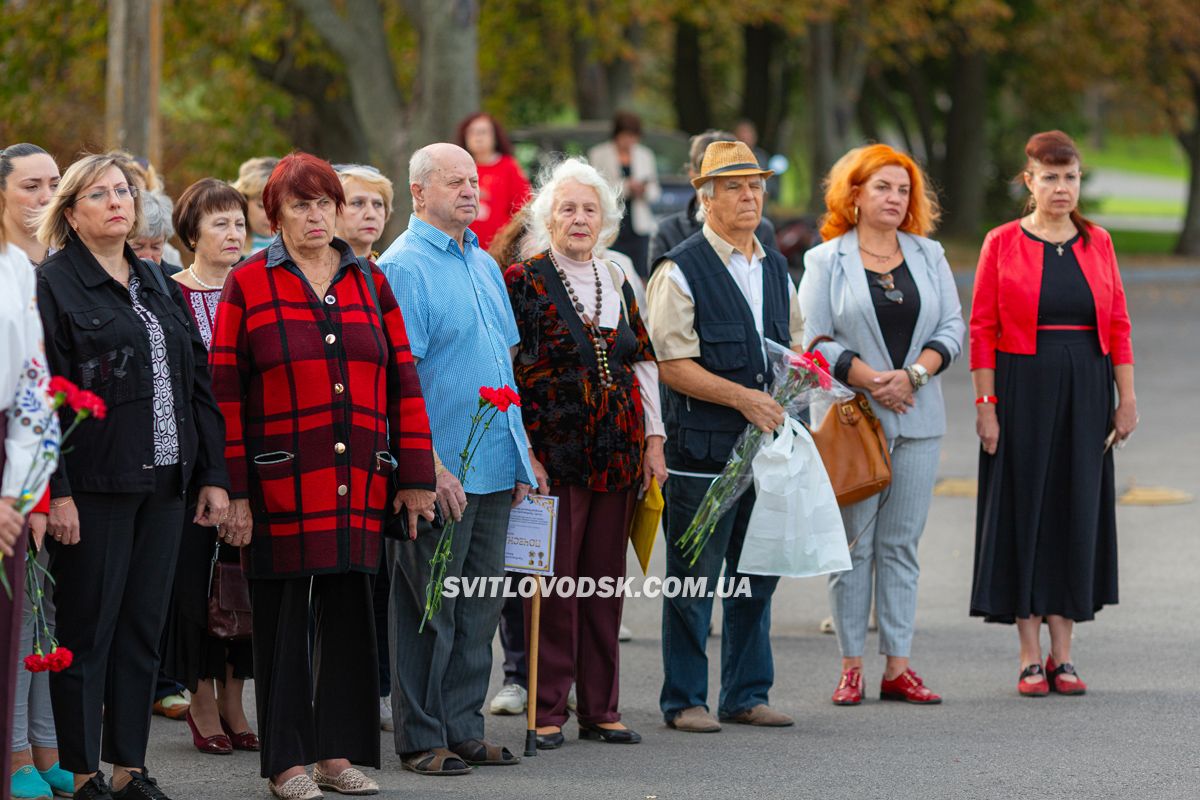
(460, 326)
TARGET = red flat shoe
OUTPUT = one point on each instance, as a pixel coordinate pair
(218, 745)
(1057, 684)
(246, 740)
(849, 690)
(1038, 688)
(907, 686)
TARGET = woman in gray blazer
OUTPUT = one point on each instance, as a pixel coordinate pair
(885, 295)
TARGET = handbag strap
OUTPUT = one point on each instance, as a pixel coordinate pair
(817, 340)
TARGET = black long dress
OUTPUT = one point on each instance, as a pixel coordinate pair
(1046, 527)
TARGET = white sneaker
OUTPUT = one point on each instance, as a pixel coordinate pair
(509, 701)
(571, 698)
(624, 635)
(385, 714)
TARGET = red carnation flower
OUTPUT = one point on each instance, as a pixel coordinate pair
(512, 395)
(89, 403)
(61, 386)
(59, 659)
(35, 663)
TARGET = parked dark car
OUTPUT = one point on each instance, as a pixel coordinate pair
(536, 148)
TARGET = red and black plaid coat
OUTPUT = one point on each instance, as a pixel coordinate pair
(309, 389)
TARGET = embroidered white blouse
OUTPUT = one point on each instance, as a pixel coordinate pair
(23, 377)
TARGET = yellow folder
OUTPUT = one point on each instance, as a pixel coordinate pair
(645, 524)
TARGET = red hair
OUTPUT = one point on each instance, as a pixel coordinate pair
(854, 169)
(1055, 149)
(302, 176)
(503, 145)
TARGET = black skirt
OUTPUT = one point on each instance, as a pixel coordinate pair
(1046, 526)
(190, 654)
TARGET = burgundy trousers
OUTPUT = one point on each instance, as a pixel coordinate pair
(578, 638)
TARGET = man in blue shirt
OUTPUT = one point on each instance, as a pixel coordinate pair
(462, 332)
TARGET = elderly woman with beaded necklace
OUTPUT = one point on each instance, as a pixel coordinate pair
(589, 388)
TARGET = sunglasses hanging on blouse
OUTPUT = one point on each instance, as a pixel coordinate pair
(888, 283)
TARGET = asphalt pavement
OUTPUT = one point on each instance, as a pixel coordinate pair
(1134, 735)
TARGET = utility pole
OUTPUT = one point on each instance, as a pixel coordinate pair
(133, 75)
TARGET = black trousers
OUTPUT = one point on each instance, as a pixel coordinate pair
(111, 591)
(321, 703)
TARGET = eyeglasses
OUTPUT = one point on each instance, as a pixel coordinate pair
(100, 195)
(887, 282)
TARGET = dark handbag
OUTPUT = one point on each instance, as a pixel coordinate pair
(853, 448)
(228, 600)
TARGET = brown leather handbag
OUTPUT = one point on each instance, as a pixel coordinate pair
(853, 448)
(228, 600)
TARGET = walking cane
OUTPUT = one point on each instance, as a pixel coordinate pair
(535, 618)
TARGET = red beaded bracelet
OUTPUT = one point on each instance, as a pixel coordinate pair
(987, 398)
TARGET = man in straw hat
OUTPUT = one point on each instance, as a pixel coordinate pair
(714, 299)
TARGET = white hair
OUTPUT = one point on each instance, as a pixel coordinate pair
(421, 166)
(708, 189)
(541, 206)
(156, 217)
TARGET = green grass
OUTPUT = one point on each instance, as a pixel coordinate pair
(1138, 207)
(1143, 242)
(1149, 155)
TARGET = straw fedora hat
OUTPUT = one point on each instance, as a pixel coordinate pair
(728, 158)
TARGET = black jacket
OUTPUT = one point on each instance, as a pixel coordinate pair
(677, 227)
(95, 339)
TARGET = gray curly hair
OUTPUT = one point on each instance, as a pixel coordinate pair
(541, 206)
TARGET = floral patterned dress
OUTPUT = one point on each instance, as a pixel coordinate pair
(584, 435)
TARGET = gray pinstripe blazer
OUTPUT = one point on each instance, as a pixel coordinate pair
(836, 301)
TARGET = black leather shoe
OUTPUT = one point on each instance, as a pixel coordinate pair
(620, 736)
(550, 741)
(140, 787)
(94, 789)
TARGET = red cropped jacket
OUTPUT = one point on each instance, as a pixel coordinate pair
(1008, 282)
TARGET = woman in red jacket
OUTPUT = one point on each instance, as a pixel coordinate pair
(312, 370)
(503, 187)
(1050, 336)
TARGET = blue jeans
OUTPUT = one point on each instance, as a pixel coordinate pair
(747, 668)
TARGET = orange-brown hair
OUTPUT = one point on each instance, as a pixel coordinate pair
(854, 169)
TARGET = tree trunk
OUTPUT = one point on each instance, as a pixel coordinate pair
(1189, 239)
(687, 87)
(761, 81)
(822, 101)
(132, 76)
(448, 71)
(963, 176)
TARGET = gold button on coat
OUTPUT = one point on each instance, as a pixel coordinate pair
(339, 448)
(330, 339)
(338, 388)
(343, 489)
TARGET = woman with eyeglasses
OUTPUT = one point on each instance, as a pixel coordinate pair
(1050, 342)
(883, 294)
(115, 326)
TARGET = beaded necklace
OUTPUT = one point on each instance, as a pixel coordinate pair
(593, 324)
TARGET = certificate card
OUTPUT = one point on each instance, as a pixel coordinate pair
(531, 530)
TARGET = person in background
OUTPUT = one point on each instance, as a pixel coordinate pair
(627, 163)
(1050, 341)
(503, 187)
(463, 336)
(252, 177)
(368, 207)
(884, 293)
(28, 179)
(154, 231)
(586, 370)
(211, 221)
(713, 301)
(674, 229)
(25, 714)
(147, 179)
(116, 327)
(746, 131)
(327, 430)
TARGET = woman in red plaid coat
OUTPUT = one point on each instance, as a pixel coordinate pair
(311, 385)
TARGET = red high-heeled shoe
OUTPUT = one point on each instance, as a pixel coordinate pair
(1038, 688)
(218, 745)
(1058, 684)
(246, 740)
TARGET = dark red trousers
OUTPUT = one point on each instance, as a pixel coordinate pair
(578, 640)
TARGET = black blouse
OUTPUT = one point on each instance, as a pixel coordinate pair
(1066, 298)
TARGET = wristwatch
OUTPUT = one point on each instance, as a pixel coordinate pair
(918, 376)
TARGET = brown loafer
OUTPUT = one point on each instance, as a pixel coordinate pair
(695, 720)
(761, 715)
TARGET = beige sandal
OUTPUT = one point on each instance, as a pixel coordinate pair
(299, 787)
(348, 781)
